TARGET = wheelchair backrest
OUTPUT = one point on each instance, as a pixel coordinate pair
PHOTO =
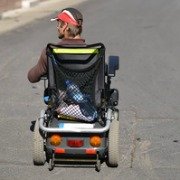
(83, 65)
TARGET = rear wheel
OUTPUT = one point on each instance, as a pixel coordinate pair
(113, 141)
(39, 157)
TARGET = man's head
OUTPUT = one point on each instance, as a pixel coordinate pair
(69, 23)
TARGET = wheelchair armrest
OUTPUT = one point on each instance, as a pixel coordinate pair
(113, 65)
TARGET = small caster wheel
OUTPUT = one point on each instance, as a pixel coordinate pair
(51, 165)
(98, 166)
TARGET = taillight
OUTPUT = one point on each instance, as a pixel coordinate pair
(90, 151)
(75, 142)
(59, 151)
(55, 139)
(95, 141)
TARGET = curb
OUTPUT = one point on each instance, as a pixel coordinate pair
(25, 5)
(30, 3)
(35, 10)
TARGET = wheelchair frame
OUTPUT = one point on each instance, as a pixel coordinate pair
(111, 114)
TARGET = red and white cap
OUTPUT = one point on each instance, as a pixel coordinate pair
(71, 16)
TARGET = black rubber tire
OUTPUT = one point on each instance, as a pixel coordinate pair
(39, 157)
(113, 141)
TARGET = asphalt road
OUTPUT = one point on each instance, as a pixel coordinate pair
(145, 34)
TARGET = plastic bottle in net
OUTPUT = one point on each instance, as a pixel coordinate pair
(76, 96)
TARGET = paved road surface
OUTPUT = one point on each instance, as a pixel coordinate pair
(145, 34)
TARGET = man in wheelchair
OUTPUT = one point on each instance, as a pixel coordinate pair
(69, 26)
(81, 122)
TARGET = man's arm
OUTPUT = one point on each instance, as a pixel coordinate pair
(39, 69)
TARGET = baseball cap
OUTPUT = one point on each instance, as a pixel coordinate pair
(71, 16)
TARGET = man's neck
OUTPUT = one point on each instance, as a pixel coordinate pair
(76, 37)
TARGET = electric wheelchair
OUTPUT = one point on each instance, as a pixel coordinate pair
(80, 125)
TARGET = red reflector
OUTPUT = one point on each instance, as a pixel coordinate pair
(75, 142)
(91, 151)
(59, 151)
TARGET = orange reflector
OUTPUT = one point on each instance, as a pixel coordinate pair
(59, 151)
(95, 141)
(55, 139)
(91, 151)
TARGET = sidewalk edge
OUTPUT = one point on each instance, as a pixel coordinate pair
(25, 6)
